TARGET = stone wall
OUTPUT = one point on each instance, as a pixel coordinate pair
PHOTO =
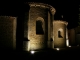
(8, 32)
(59, 34)
(41, 13)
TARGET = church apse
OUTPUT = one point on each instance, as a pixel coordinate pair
(38, 25)
(59, 33)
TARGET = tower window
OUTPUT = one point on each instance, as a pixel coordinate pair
(59, 34)
(39, 28)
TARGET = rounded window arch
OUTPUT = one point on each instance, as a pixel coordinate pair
(60, 33)
(40, 25)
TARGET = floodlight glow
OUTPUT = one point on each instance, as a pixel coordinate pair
(32, 52)
(67, 42)
(57, 49)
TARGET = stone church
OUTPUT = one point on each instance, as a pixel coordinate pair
(43, 31)
(40, 30)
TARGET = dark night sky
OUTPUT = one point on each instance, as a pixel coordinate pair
(69, 10)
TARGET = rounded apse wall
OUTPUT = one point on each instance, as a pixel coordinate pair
(39, 25)
(59, 33)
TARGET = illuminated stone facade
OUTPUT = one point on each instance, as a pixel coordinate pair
(59, 33)
(42, 31)
(8, 32)
(39, 25)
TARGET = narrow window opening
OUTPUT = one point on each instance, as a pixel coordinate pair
(59, 34)
(39, 28)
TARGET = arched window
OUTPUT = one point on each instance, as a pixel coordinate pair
(59, 34)
(39, 27)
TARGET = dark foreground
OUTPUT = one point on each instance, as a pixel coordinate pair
(49, 54)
